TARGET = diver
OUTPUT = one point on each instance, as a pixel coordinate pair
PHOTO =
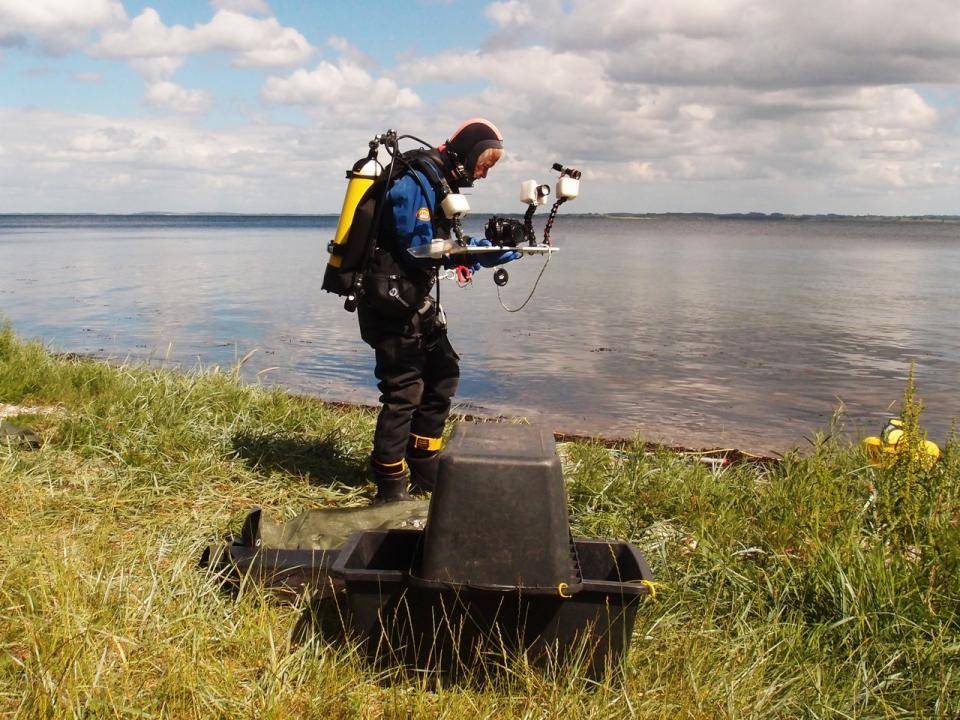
(417, 369)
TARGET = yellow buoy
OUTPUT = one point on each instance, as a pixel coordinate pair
(883, 451)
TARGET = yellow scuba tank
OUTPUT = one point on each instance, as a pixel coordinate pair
(361, 177)
(355, 238)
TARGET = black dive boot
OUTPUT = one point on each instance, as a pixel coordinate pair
(424, 468)
(391, 489)
(391, 486)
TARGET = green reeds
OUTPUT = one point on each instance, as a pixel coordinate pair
(819, 586)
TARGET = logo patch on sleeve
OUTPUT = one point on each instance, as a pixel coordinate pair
(423, 214)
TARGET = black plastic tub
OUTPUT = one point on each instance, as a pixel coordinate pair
(466, 630)
(286, 572)
(498, 517)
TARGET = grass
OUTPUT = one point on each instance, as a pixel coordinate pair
(816, 587)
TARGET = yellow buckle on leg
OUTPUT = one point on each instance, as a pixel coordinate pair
(421, 442)
(394, 468)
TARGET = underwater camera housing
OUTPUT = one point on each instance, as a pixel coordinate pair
(507, 232)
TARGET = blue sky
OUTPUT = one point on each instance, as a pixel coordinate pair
(252, 105)
(381, 30)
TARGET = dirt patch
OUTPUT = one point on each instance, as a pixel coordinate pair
(14, 410)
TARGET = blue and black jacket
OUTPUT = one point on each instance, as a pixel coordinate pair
(412, 216)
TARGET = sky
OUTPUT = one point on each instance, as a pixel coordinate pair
(680, 106)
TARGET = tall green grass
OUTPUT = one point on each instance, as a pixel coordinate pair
(819, 586)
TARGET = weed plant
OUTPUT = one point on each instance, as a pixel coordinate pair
(819, 586)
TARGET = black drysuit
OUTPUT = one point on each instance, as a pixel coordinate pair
(417, 369)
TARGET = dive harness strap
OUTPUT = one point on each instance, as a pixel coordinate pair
(411, 161)
(423, 159)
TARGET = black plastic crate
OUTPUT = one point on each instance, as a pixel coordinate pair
(498, 517)
(460, 630)
(288, 573)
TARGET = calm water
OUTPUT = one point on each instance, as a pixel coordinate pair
(700, 332)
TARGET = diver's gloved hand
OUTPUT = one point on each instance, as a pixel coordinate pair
(492, 259)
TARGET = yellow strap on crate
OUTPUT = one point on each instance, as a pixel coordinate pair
(651, 586)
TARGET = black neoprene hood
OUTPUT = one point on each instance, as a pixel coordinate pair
(470, 140)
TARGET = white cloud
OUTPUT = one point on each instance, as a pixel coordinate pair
(344, 85)
(726, 95)
(250, 7)
(534, 80)
(169, 95)
(511, 13)
(156, 51)
(643, 171)
(57, 161)
(722, 105)
(102, 140)
(113, 182)
(767, 43)
(58, 24)
(61, 161)
(252, 41)
(161, 67)
(350, 52)
(262, 43)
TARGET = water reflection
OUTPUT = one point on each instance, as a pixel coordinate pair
(701, 332)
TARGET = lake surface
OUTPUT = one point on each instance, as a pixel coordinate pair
(704, 332)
